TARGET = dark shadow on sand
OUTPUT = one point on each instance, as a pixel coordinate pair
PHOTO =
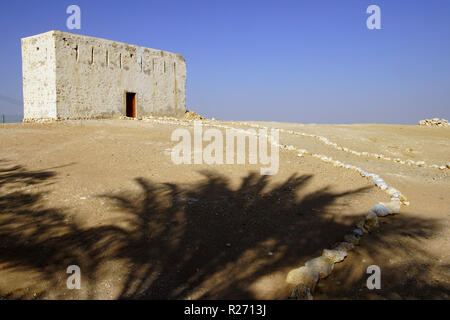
(178, 238)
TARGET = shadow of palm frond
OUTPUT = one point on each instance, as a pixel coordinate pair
(205, 240)
(409, 270)
(38, 239)
(210, 234)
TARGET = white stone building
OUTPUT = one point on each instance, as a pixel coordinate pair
(70, 76)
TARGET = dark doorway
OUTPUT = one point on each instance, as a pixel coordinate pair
(131, 105)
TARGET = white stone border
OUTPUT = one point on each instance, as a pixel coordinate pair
(322, 139)
(305, 278)
(326, 141)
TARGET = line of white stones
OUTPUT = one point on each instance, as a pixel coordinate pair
(326, 141)
(322, 139)
(374, 178)
(304, 279)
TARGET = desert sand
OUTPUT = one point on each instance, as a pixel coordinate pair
(104, 195)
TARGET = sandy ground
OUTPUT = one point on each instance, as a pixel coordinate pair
(105, 195)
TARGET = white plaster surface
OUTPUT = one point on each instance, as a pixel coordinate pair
(72, 76)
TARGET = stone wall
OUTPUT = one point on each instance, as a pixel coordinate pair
(39, 77)
(91, 77)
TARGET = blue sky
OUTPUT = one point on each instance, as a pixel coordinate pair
(301, 61)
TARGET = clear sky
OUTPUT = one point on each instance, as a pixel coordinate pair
(309, 61)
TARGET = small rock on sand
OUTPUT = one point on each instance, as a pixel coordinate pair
(323, 265)
(306, 275)
(334, 255)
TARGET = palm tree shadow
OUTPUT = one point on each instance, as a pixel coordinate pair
(205, 240)
(209, 234)
(409, 270)
(41, 240)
